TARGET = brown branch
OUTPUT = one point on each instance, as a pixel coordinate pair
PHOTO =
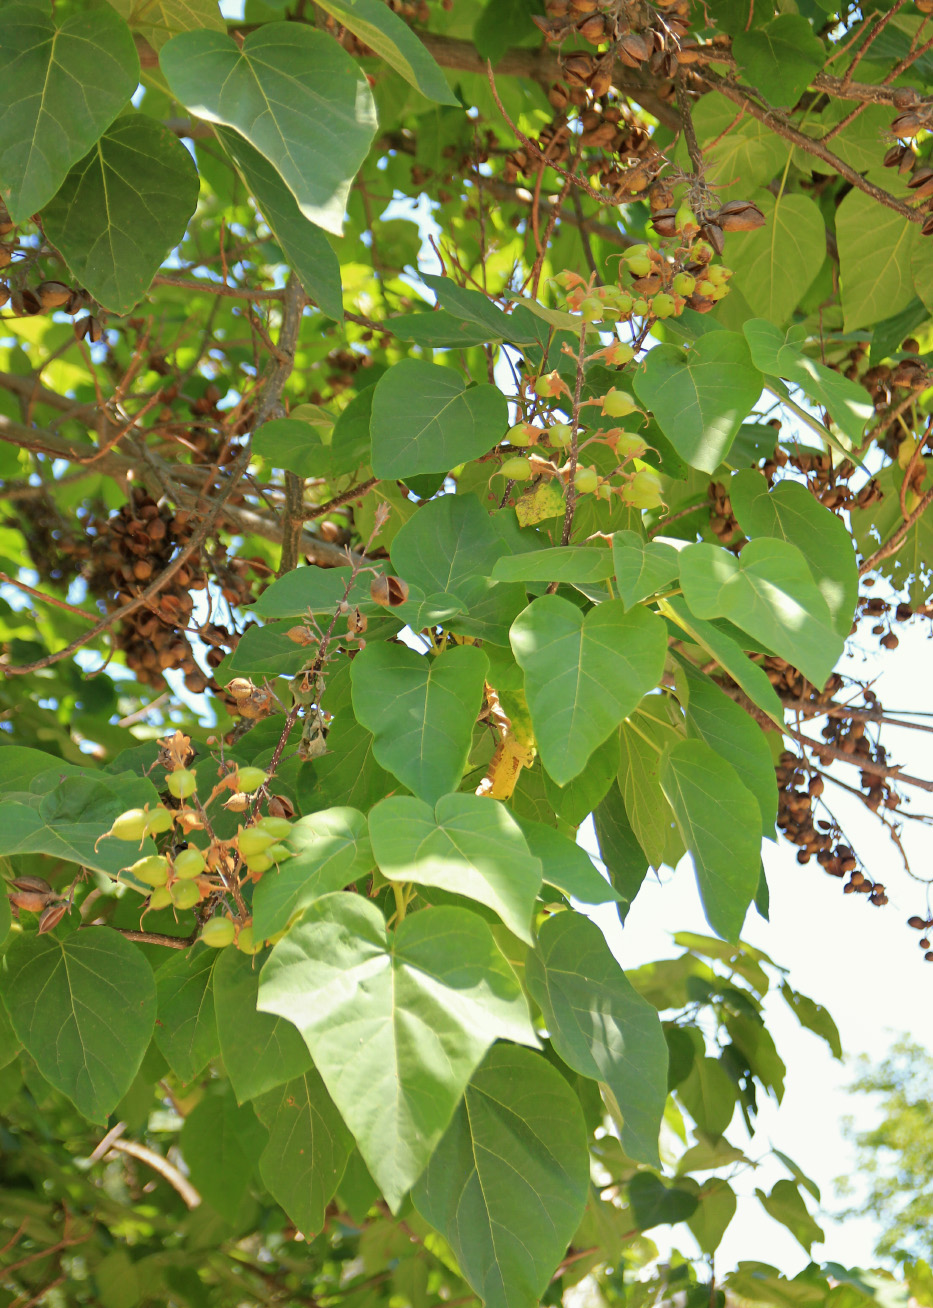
(574, 444)
(872, 34)
(345, 497)
(48, 599)
(217, 288)
(890, 772)
(291, 523)
(892, 545)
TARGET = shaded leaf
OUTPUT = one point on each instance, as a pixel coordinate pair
(260, 1051)
(383, 31)
(186, 1032)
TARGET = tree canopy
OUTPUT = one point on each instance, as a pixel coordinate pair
(423, 427)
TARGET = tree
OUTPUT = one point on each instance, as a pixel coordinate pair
(895, 1158)
(338, 593)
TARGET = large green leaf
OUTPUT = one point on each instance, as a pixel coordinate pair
(642, 567)
(383, 31)
(259, 1051)
(158, 20)
(303, 243)
(123, 208)
(84, 1007)
(700, 397)
(794, 236)
(575, 800)
(584, 674)
(466, 845)
(601, 1026)
(293, 94)
(785, 1204)
(221, 1144)
(425, 419)
(566, 865)
(331, 849)
(709, 1095)
(619, 849)
(779, 354)
(396, 1024)
(642, 742)
(734, 145)
(780, 59)
(716, 719)
(769, 592)
(319, 590)
(716, 1209)
(62, 86)
(449, 551)
(875, 246)
(790, 512)
(186, 1032)
(421, 710)
(720, 822)
(508, 1183)
(568, 563)
(307, 1150)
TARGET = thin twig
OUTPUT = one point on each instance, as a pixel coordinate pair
(48, 599)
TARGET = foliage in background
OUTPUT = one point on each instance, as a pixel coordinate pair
(424, 426)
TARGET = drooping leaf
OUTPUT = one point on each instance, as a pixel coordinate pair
(565, 865)
(421, 711)
(785, 1204)
(293, 94)
(814, 1017)
(507, 1185)
(466, 845)
(709, 1095)
(720, 822)
(875, 247)
(391, 38)
(655, 1203)
(619, 849)
(574, 801)
(123, 208)
(779, 59)
(397, 1023)
(700, 397)
(331, 849)
(159, 20)
(303, 243)
(789, 512)
(63, 85)
(260, 1051)
(716, 1209)
(642, 743)
(425, 419)
(641, 567)
(221, 1143)
(84, 1007)
(307, 1150)
(319, 590)
(601, 1026)
(186, 1032)
(583, 674)
(769, 592)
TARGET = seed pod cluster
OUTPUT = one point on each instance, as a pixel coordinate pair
(916, 116)
(926, 926)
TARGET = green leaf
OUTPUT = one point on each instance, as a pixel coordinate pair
(655, 1203)
(734, 146)
(331, 849)
(6, 917)
(643, 741)
(221, 1144)
(303, 243)
(158, 20)
(123, 209)
(466, 845)
(319, 590)
(267, 652)
(502, 24)
(449, 551)
(716, 719)
(709, 1095)
(777, 354)
(293, 94)
(875, 248)
(508, 1183)
(259, 1051)
(575, 801)
(391, 38)
(790, 512)
(186, 1032)
(307, 1152)
(769, 592)
(566, 865)
(425, 419)
(350, 443)
(583, 675)
(293, 445)
(711, 1152)
(785, 1204)
(421, 710)
(348, 772)
(720, 822)
(642, 567)
(63, 85)
(568, 563)
(601, 1026)
(619, 849)
(700, 397)
(396, 1024)
(814, 1017)
(519, 328)
(794, 236)
(730, 657)
(780, 59)
(716, 1209)
(84, 1007)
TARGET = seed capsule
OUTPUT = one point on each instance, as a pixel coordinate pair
(740, 216)
(218, 932)
(151, 870)
(51, 917)
(52, 295)
(390, 592)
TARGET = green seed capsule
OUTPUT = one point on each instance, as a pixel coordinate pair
(151, 870)
(278, 827)
(131, 825)
(246, 942)
(159, 820)
(218, 932)
(182, 784)
(160, 898)
(185, 894)
(259, 862)
(188, 864)
(250, 779)
(278, 853)
(253, 840)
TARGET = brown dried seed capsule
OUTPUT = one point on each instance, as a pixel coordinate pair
(908, 124)
(4, 294)
(25, 303)
(6, 256)
(38, 884)
(929, 956)
(664, 222)
(52, 295)
(51, 917)
(924, 943)
(905, 97)
(31, 901)
(634, 48)
(740, 216)
(713, 233)
(927, 228)
(894, 156)
(921, 183)
(388, 591)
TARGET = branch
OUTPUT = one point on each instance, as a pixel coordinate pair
(896, 541)
(291, 523)
(179, 1183)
